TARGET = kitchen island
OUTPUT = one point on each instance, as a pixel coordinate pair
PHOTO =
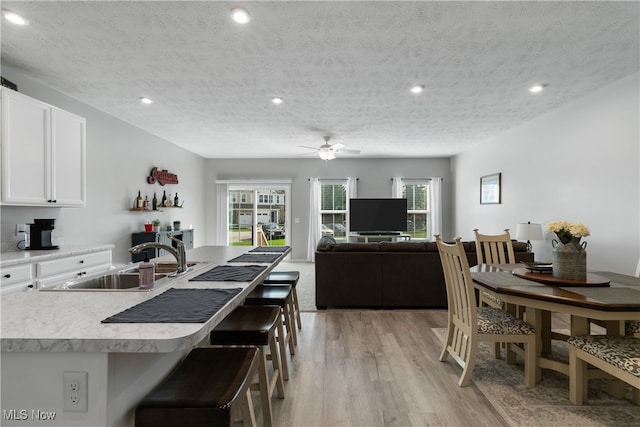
(45, 334)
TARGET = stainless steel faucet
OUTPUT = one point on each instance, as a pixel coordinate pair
(179, 251)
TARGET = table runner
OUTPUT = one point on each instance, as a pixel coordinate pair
(269, 258)
(177, 306)
(237, 273)
(272, 249)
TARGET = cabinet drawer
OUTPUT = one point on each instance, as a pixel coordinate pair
(17, 274)
(16, 287)
(70, 276)
(78, 262)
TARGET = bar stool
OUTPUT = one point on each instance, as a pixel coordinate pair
(205, 389)
(256, 326)
(279, 295)
(287, 278)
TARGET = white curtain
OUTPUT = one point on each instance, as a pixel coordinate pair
(396, 187)
(435, 201)
(352, 187)
(222, 220)
(314, 218)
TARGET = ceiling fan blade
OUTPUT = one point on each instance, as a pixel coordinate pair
(310, 148)
(338, 146)
(350, 151)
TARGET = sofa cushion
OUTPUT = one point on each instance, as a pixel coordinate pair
(325, 243)
(403, 247)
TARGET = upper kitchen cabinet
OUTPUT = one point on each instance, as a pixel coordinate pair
(43, 154)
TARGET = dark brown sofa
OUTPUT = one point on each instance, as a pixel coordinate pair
(386, 274)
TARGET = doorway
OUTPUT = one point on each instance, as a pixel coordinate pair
(258, 214)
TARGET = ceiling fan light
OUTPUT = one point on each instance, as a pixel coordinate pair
(277, 100)
(327, 154)
(417, 89)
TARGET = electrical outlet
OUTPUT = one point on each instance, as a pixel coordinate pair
(21, 229)
(75, 391)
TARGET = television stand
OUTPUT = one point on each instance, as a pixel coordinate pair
(370, 237)
(378, 233)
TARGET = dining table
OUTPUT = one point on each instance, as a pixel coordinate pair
(607, 298)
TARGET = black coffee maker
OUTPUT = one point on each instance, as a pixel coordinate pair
(40, 234)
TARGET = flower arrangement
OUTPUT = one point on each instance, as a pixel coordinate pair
(567, 230)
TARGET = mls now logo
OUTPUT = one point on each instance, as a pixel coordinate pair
(23, 414)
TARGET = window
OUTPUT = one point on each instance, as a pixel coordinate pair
(334, 209)
(418, 209)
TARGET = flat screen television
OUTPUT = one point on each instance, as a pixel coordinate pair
(377, 216)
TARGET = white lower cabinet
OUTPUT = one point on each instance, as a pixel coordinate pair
(59, 270)
(16, 279)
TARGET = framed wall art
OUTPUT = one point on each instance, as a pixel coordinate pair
(490, 189)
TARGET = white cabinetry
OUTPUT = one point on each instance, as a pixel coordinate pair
(15, 279)
(43, 153)
(59, 270)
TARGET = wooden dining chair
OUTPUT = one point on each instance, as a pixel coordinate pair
(468, 324)
(495, 249)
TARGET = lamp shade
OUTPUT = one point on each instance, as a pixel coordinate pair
(529, 231)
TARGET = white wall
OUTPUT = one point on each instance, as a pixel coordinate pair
(579, 163)
(374, 180)
(119, 159)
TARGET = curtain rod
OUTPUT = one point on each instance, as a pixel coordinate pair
(417, 179)
(332, 179)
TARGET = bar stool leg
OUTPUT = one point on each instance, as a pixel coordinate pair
(296, 307)
(283, 350)
(265, 395)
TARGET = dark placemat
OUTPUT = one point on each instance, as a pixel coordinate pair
(230, 273)
(271, 249)
(256, 258)
(177, 306)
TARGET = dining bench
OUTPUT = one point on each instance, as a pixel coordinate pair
(617, 355)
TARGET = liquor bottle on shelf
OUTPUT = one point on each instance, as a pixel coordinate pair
(175, 200)
(145, 203)
(164, 198)
(154, 202)
(138, 201)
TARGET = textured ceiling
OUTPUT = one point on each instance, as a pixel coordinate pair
(343, 68)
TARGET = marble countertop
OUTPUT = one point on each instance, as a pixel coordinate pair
(70, 321)
(11, 258)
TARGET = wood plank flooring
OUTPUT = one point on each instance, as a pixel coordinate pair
(377, 368)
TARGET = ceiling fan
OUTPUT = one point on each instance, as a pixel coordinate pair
(328, 151)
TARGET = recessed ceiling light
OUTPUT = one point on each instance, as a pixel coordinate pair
(241, 16)
(14, 18)
(417, 89)
(537, 88)
(146, 100)
(277, 100)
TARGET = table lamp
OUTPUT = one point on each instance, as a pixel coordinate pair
(528, 231)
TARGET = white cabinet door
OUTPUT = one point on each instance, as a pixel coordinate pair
(68, 158)
(43, 153)
(26, 157)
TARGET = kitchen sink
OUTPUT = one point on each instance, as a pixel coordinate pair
(126, 279)
(109, 282)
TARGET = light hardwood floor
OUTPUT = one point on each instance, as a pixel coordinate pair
(377, 368)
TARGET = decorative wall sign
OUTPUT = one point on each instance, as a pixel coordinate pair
(162, 177)
(490, 189)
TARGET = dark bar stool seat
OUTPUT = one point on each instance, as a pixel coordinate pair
(287, 278)
(203, 389)
(257, 326)
(279, 295)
